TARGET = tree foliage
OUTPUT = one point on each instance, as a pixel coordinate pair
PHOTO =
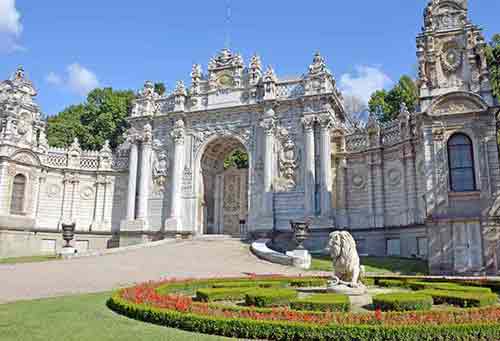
(160, 88)
(238, 159)
(102, 117)
(386, 104)
(493, 58)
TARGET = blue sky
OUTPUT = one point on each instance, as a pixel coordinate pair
(67, 47)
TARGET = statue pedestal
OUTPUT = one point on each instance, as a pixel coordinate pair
(343, 289)
(68, 252)
(301, 259)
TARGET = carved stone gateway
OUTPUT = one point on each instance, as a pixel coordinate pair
(386, 182)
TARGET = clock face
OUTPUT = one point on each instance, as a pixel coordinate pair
(225, 81)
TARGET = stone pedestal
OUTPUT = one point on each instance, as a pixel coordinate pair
(301, 259)
(68, 252)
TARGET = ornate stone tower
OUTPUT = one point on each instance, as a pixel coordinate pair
(20, 118)
(450, 53)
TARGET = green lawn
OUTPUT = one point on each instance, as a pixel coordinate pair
(378, 265)
(79, 318)
(29, 259)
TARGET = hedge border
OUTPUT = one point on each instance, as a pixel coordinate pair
(323, 303)
(413, 301)
(273, 330)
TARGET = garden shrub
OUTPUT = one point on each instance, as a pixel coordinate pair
(461, 299)
(269, 297)
(391, 283)
(448, 287)
(322, 302)
(247, 284)
(402, 302)
(308, 282)
(222, 294)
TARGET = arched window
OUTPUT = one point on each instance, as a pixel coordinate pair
(461, 163)
(18, 192)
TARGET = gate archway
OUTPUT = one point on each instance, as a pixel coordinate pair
(223, 187)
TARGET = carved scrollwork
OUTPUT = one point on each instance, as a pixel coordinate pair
(160, 169)
(289, 160)
(178, 133)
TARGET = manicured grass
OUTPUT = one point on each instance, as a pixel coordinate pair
(78, 318)
(29, 259)
(378, 265)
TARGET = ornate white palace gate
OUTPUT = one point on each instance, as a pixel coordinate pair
(183, 138)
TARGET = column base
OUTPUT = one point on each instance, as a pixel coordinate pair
(138, 225)
(173, 225)
(322, 222)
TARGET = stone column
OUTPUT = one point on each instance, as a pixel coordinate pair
(132, 181)
(326, 123)
(108, 203)
(309, 166)
(145, 176)
(178, 135)
(429, 169)
(269, 126)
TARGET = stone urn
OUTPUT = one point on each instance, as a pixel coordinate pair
(68, 235)
(301, 232)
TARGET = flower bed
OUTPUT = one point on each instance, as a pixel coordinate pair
(403, 302)
(323, 302)
(146, 302)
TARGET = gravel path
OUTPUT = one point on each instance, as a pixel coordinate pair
(182, 259)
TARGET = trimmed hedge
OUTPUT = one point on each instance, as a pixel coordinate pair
(461, 299)
(392, 283)
(323, 302)
(308, 282)
(403, 302)
(269, 297)
(247, 284)
(448, 287)
(284, 331)
(222, 294)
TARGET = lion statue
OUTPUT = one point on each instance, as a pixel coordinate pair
(345, 258)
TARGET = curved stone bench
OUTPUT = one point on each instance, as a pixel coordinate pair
(300, 258)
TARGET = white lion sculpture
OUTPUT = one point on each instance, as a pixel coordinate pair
(345, 258)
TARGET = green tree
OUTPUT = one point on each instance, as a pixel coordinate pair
(160, 88)
(102, 117)
(238, 159)
(386, 104)
(493, 58)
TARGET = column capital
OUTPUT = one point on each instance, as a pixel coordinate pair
(308, 122)
(326, 121)
(178, 133)
(147, 134)
(269, 125)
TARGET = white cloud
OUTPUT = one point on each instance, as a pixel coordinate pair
(77, 79)
(364, 81)
(80, 79)
(10, 26)
(54, 79)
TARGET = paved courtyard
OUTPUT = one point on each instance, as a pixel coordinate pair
(182, 259)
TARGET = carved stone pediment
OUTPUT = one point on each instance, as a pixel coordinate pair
(457, 103)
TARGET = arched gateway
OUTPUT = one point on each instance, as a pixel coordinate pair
(187, 138)
(405, 187)
(223, 187)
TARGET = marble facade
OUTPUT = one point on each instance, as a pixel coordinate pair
(387, 183)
